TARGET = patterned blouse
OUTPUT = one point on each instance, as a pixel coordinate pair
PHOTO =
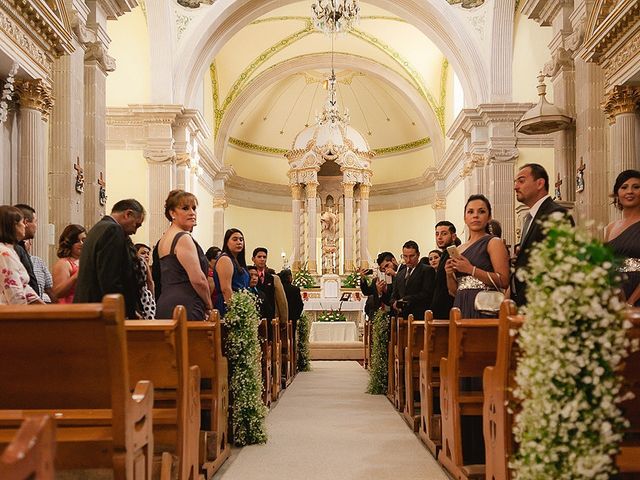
(14, 279)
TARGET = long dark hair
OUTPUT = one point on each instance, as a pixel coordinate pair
(240, 258)
(622, 177)
(68, 237)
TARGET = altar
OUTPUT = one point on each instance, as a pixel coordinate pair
(333, 332)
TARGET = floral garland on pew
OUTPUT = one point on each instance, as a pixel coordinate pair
(379, 354)
(304, 355)
(572, 342)
(245, 376)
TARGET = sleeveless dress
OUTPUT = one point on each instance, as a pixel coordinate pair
(627, 246)
(239, 281)
(176, 287)
(468, 286)
(72, 292)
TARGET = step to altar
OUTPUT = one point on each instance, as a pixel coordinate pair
(336, 350)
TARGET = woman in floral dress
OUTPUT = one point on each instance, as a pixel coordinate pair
(14, 279)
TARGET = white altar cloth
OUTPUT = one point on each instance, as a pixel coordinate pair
(333, 332)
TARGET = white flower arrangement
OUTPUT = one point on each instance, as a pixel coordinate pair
(378, 379)
(304, 354)
(7, 93)
(572, 342)
(248, 413)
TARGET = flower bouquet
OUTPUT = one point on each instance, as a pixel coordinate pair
(303, 278)
(331, 316)
(352, 280)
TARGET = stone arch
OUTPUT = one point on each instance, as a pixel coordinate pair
(434, 18)
(318, 60)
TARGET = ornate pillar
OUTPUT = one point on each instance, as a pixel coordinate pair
(161, 182)
(96, 65)
(296, 213)
(357, 232)
(500, 191)
(311, 191)
(348, 227)
(620, 106)
(220, 204)
(364, 225)
(440, 206)
(35, 105)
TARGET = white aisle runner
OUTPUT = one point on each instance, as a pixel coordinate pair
(326, 427)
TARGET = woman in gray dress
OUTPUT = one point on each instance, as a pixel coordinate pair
(483, 263)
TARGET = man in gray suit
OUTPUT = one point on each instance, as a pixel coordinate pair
(107, 259)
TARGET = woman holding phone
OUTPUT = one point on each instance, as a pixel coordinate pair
(481, 263)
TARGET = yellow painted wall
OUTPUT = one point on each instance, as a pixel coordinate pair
(127, 177)
(264, 168)
(262, 229)
(530, 53)
(389, 229)
(543, 156)
(203, 232)
(130, 82)
(455, 207)
(395, 168)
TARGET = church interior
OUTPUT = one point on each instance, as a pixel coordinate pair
(326, 148)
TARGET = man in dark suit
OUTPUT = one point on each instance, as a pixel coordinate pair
(275, 300)
(106, 262)
(532, 189)
(442, 300)
(413, 285)
(31, 225)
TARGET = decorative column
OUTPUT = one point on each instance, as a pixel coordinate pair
(161, 182)
(357, 233)
(620, 106)
(364, 225)
(35, 105)
(311, 191)
(348, 227)
(220, 204)
(500, 190)
(440, 206)
(296, 213)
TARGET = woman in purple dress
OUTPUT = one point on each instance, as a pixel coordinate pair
(623, 235)
(483, 263)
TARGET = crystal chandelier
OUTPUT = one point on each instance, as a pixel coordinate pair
(330, 115)
(335, 16)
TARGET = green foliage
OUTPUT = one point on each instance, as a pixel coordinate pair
(331, 316)
(572, 342)
(352, 280)
(303, 278)
(379, 354)
(245, 384)
(304, 355)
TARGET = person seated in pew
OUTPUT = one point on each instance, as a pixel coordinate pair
(14, 287)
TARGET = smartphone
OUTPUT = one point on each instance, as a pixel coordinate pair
(453, 251)
(381, 275)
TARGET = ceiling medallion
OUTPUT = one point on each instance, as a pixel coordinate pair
(335, 16)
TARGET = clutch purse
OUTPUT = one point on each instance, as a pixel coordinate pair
(488, 301)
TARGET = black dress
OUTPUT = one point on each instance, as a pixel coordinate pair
(627, 246)
(176, 286)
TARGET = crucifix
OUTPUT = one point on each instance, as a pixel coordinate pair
(558, 192)
(79, 176)
(102, 192)
(580, 177)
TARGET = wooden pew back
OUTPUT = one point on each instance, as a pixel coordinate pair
(435, 346)
(398, 363)
(277, 357)
(472, 347)
(415, 342)
(267, 362)
(158, 351)
(30, 454)
(71, 360)
(391, 387)
(628, 460)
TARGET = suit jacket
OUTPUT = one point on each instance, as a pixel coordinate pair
(416, 292)
(533, 236)
(25, 259)
(442, 301)
(294, 301)
(106, 266)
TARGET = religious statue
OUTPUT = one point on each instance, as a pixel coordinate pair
(329, 234)
(79, 176)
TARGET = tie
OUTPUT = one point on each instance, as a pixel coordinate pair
(261, 276)
(525, 226)
(409, 272)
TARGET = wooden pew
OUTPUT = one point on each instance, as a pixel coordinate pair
(498, 384)
(398, 363)
(159, 352)
(266, 348)
(205, 350)
(70, 362)
(367, 337)
(31, 453)
(276, 359)
(415, 341)
(472, 347)
(436, 346)
(289, 358)
(628, 460)
(391, 387)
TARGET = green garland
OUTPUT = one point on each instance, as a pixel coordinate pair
(572, 344)
(352, 280)
(304, 356)
(379, 354)
(245, 376)
(331, 316)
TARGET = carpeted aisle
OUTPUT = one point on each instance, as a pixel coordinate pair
(326, 427)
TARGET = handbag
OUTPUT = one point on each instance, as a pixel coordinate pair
(489, 301)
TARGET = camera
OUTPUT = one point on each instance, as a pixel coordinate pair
(368, 272)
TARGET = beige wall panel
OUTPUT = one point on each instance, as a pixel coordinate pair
(389, 229)
(455, 208)
(203, 232)
(396, 168)
(530, 53)
(543, 156)
(264, 168)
